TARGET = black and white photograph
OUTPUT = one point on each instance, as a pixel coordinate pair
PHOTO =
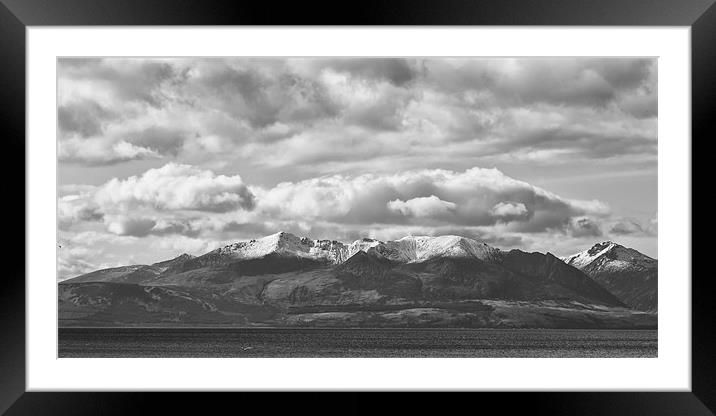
(384, 207)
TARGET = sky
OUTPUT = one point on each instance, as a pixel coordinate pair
(158, 157)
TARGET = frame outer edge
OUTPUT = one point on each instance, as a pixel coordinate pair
(12, 77)
(370, 12)
(12, 292)
(703, 98)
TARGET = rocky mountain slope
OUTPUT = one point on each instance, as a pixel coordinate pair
(132, 274)
(282, 279)
(630, 275)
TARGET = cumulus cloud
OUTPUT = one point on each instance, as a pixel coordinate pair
(185, 200)
(171, 200)
(469, 198)
(509, 210)
(584, 227)
(177, 187)
(430, 206)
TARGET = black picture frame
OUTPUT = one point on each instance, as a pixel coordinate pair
(16, 15)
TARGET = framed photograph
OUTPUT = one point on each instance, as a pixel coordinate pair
(412, 197)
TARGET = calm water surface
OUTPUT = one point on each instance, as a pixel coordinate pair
(301, 342)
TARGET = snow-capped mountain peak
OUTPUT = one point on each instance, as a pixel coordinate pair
(584, 258)
(286, 244)
(610, 255)
(627, 273)
(410, 249)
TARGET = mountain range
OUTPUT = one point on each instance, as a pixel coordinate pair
(285, 280)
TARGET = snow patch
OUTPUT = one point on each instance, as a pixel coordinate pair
(586, 257)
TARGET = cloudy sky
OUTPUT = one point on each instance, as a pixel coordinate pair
(163, 156)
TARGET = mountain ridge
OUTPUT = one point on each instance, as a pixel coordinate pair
(406, 249)
(445, 280)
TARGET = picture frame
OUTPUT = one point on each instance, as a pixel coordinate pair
(17, 15)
